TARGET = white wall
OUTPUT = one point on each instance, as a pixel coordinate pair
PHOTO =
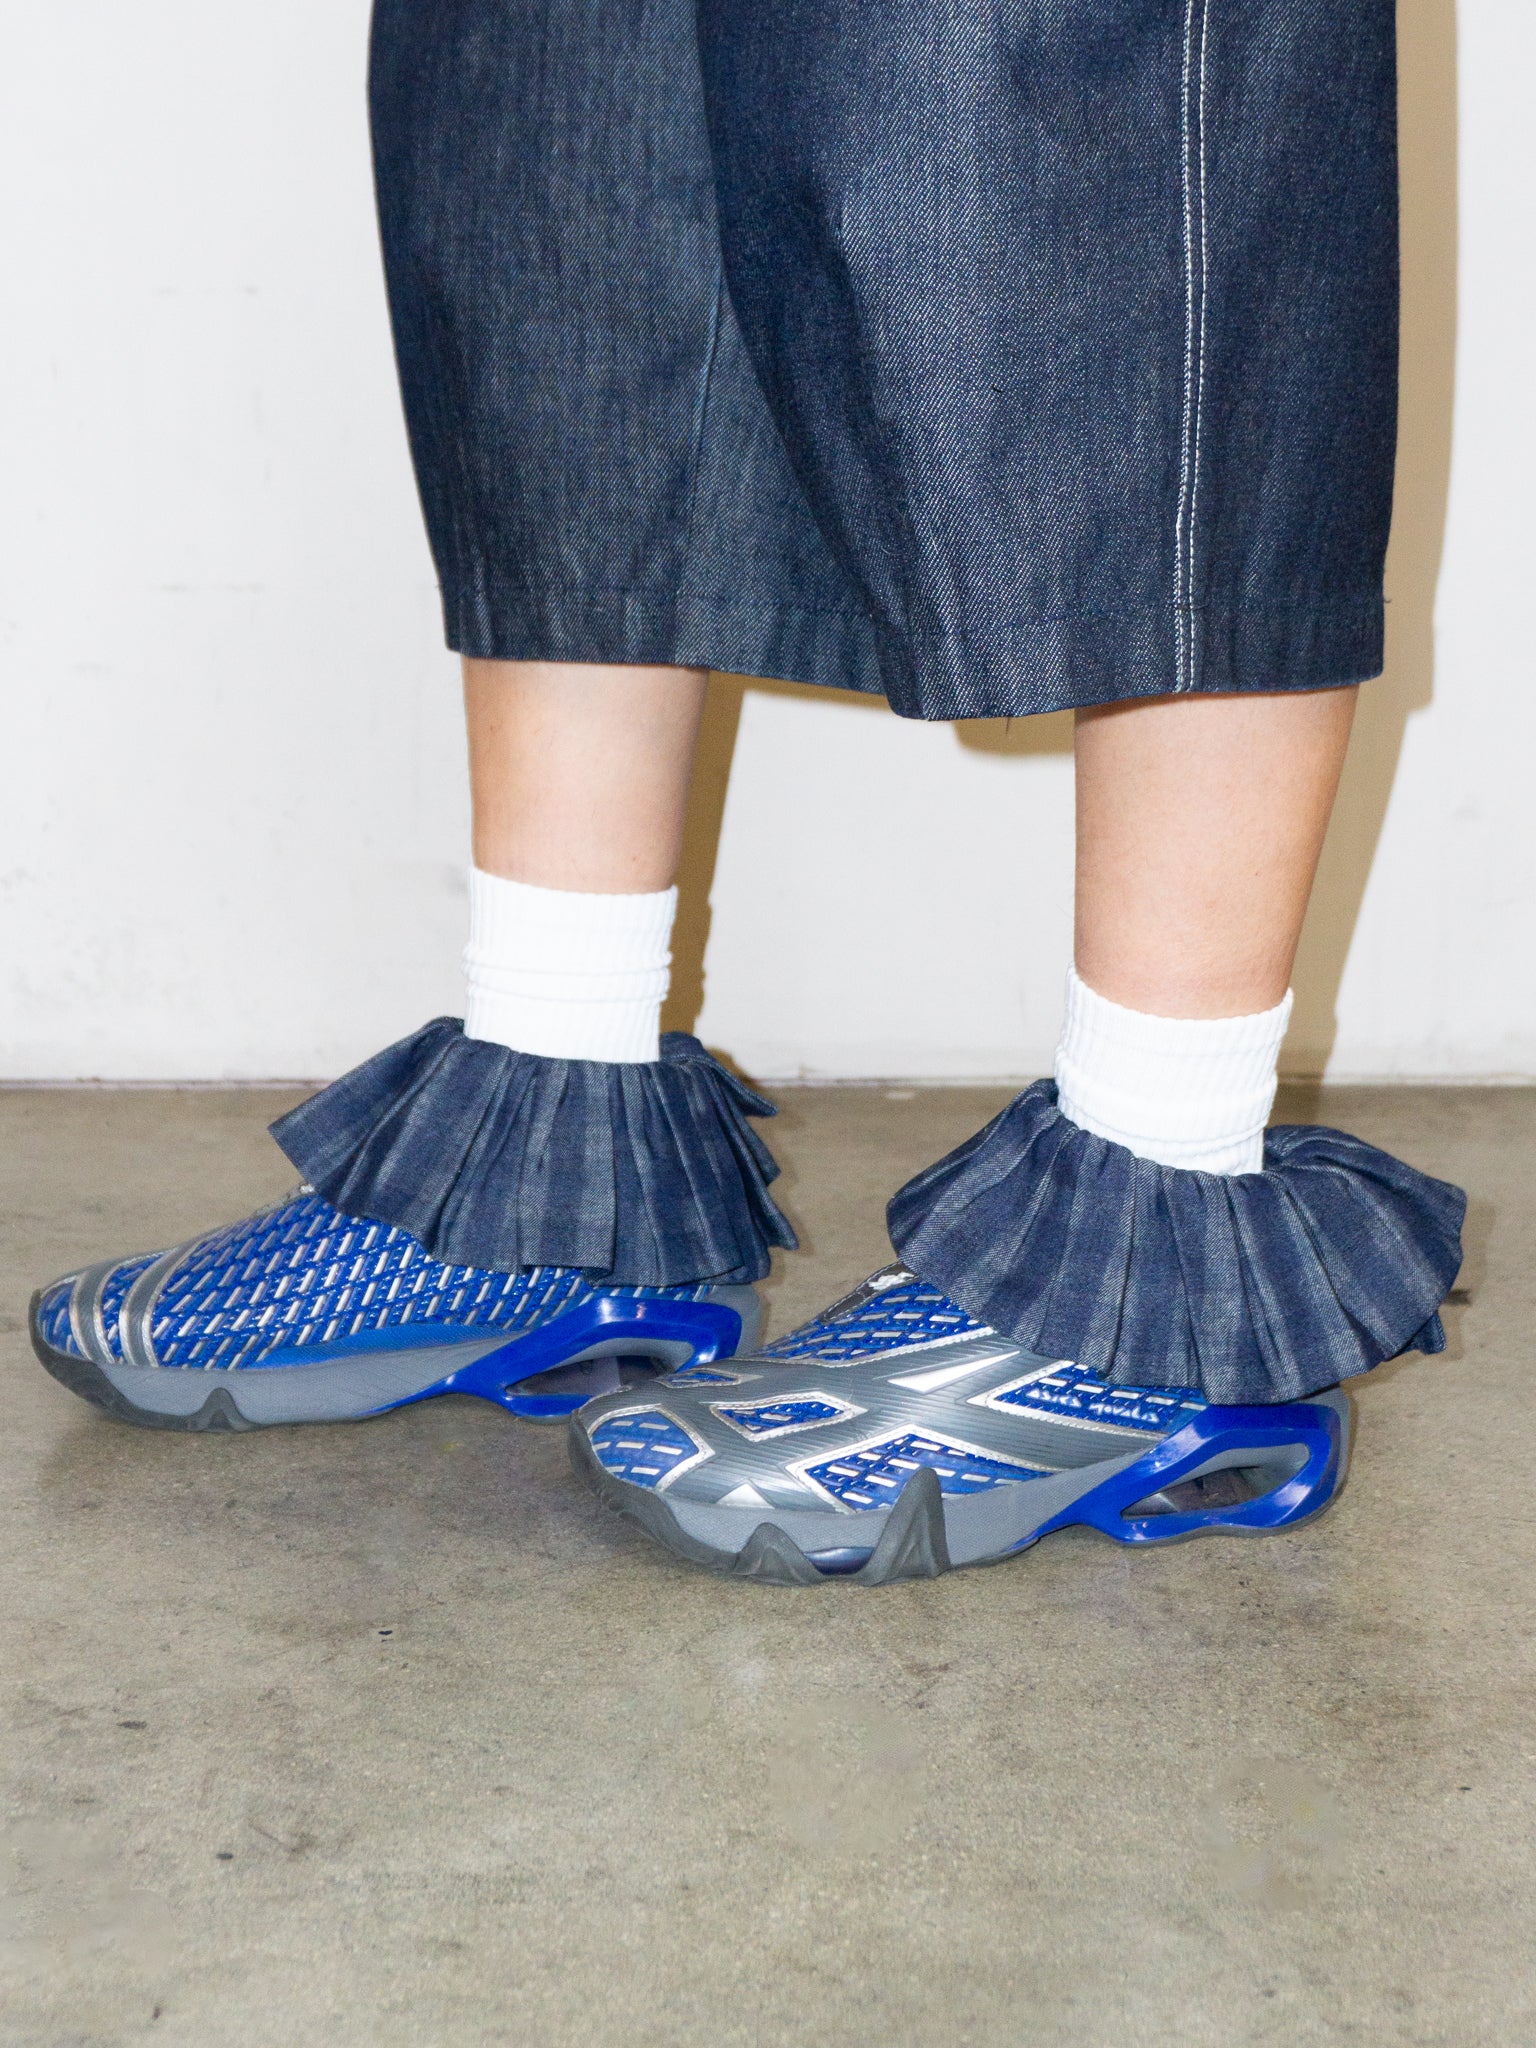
(231, 807)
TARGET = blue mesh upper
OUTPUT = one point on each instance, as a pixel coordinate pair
(772, 1418)
(910, 1313)
(874, 1476)
(303, 1274)
(53, 1318)
(1077, 1395)
(642, 1447)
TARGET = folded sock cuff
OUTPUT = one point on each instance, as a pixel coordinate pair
(1191, 1092)
(566, 973)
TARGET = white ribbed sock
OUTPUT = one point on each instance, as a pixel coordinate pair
(1188, 1092)
(568, 974)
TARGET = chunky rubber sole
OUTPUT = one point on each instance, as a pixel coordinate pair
(543, 1375)
(1232, 1471)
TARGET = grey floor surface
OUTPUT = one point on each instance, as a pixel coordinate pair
(384, 1734)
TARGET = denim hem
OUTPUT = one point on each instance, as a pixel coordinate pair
(834, 649)
(1013, 669)
(1019, 668)
(1253, 1287)
(644, 1174)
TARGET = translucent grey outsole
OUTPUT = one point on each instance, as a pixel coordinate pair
(350, 1389)
(216, 1412)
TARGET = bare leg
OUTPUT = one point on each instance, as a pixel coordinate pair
(579, 773)
(1199, 825)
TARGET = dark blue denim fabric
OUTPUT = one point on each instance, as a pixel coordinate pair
(645, 1174)
(1252, 1287)
(999, 357)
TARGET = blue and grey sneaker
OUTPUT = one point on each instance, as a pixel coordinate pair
(895, 1437)
(301, 1314)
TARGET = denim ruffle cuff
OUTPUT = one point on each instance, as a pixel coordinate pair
(1254, 1287)
(647, 1174)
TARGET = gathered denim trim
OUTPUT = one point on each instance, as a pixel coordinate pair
(1255, 1287)
(645, 1174)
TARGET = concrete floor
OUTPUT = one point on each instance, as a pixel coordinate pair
(384, 1734)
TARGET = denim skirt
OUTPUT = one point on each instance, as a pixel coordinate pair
(993, 355)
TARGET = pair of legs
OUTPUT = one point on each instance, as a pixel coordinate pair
(1199, 819)
(789, 341)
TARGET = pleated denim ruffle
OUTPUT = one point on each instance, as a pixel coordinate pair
(1252, 1287)
(646, 1174)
